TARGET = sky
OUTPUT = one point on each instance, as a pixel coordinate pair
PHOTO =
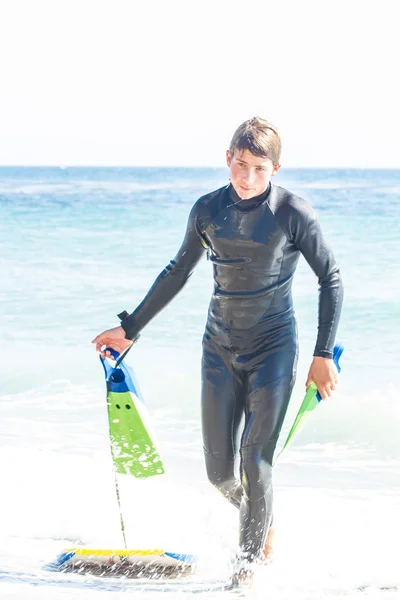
(166, 82)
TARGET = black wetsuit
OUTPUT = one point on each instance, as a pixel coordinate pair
(250, 342)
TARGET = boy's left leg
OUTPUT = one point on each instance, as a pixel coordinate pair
(270, 384)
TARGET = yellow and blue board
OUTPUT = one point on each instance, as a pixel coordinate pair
(127, 563)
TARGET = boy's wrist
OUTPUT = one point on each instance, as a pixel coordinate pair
(323, 353)
(128, 324)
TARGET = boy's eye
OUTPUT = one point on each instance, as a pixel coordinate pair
(260, 169)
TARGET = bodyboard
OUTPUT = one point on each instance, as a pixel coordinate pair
(126, 563)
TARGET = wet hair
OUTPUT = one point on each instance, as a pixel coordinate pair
(259, 137)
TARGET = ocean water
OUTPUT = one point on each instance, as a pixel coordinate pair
(78, 245)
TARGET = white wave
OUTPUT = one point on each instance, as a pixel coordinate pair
(75, 187)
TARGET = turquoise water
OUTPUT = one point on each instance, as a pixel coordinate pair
(78, 245)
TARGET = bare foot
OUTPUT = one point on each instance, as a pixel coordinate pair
(268, 547)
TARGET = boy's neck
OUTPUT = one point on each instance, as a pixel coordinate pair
(249, 202)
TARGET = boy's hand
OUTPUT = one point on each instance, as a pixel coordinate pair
(324, 374)
(112, 338)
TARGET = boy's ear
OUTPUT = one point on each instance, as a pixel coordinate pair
(228, 158)
(275, 170)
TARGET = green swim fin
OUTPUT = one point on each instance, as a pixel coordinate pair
(133, 450)
(310, 402)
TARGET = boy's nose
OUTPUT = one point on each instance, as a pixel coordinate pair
(249, 178)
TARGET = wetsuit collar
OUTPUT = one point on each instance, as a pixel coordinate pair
(251, 202)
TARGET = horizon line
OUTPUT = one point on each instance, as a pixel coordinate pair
(133, 166)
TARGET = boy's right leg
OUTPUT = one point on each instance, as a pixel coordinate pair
(222, 412)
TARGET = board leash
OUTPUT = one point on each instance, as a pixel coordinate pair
(121, 518)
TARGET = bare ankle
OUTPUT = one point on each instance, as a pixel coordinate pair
(268, 546)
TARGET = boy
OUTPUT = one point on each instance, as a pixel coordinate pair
(254, 233)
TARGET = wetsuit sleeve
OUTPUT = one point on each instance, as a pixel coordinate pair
(170, 281)
(309, 239)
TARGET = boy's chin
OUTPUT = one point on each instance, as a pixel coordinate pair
(246, 194)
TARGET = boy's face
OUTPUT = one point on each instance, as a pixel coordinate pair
(249, 174)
